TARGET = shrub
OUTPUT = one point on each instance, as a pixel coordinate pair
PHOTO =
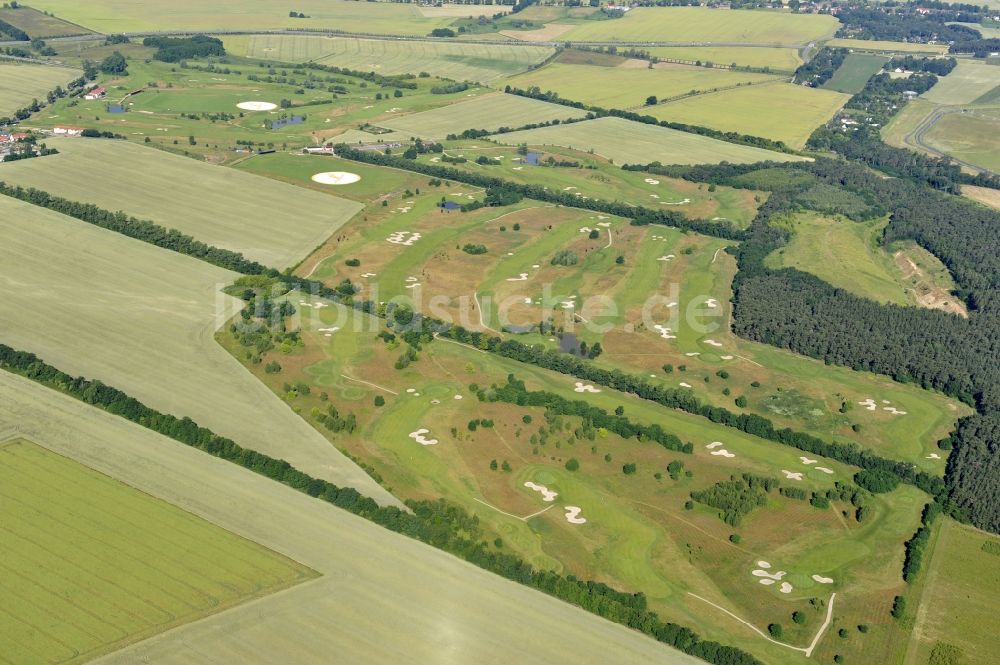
(775, 630)
(877, 481)
(572, 464)
(379, 400)
(469, 248)
(354, 263)
(565, 257)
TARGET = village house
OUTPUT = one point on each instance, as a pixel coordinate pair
(96, 93)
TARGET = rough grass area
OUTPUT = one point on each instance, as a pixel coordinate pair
(21, 83)
(888, 47)
(973, 136)
(373, 582)
(780, 111)
(98, 564)
(39, 25)
(488, 112)
(702, 24)
(967, 82)
(854, 72)
(265, 220)
(626, 87)
(786, 59)
(95, 303)
(461, 62)
(628, 142)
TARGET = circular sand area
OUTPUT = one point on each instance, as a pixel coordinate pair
(336, 178)
(257, 106)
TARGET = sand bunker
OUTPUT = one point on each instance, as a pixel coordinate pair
(585, 388)
(567, 304)
(572, 515)
(330, 330)
(764, 564)
(676, 203)
(257, 106)
(822, 580)
(419, 437)
(666, 257)
(726, 357)
(586, 229)
(869, 404)
(368, 274)
(685, 385)
(712, 303)
(604, 224)
(413, 286)
(404, 238)
(655, 196)
(664, 331)
(760, 572)
(458, 397)
(692, 354)
(792, 475)
(786, 587)
(894, 411)
(652, 181)
(722, 452)
(714, 444)
(933, 456)
(523, 277)
(547, 494)
(712, 342)
(766, 582)
(336, 178)
(824, 469)
(806, 460)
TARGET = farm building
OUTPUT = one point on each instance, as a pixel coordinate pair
(96, 93)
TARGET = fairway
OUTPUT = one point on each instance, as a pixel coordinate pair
(378, 589)
(701, 24)
(115, 16)
(854, 72)
(96, 303)
(966, 83)
(780, 111)
(782, 59)
(489, 112)
(21, 83)
(265, 220)
(461, 62)
(137, 564)
(628, 142)
(888, 47)
(627, 87)
(957, 608)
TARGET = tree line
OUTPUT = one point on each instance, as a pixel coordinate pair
(437, 523)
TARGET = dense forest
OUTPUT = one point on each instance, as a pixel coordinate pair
(175, 49)
(904, 22)
(821, 68)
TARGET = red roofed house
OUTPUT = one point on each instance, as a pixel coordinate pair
(96, 93)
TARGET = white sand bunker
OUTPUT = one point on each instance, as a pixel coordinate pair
(712, 342)
(722, 452)
(585, 388)
(604, 224)
(894, 411)
(792, 475)
(458, 397)
(726, 357)
(585, 229)
(547, 494)
(692, 354)
(572, 515)
(522, 277)
(419, 437)
(685, 385)
(869, 404)
(676, 203)
(368, 274)
(786, 587)
(807, 460)
(257, 106)
(336, 178)
(413, 286)
(824, 469)
(655, 196)
(404, 238)
(776, 576)
(764, 564)
(715, 444)
(567, 304)
(652, 181)
(666, 257)
(766, 582)
(823, 580)
(664, 331)
(712, 303)
(933, 456)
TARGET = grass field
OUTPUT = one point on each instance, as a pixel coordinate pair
(888, 47)
(95, 303)
(626, 87)
(266, 221)
(377, 591)
(112, 16)
(21, 83)
(854, 72)
(461, 62)
(488, 112)
(137, 564)
(780, 111)
(701, 24)
(37, 24)
(972, 136)
(984, 195)
(966, 83)
(781, 59)
(962, 583)
(628, 142)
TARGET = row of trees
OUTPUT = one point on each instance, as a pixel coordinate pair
(438, 523)
(175, 49)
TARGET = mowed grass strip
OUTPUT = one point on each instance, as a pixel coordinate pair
(628, 142)
(98, 304)
(779, 111)
(98, 564)
(489, 112)
(702, 24)
(854, 72)
(461, 62)
(267, 221)
(20, 83)
(625, 87)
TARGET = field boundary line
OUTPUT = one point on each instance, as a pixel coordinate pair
(369, 383)
(468, 346)
(503, 512)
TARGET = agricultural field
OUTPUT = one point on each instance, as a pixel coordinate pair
(779, 111)
(115, 16)
(707, 26)
(854, 72)
(39, 25)
(460, 62)
(489, 112)
(21, 83)
(235, 211)
(984, 195)
(628, 142)
(95, 303)
(965, 84)
(848, 254)
(628, 85)
(778, 59)
(138, 564)
(361, 564)
(888, 47)
(962, 583)
(972, 136)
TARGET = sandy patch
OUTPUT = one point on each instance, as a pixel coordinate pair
(822, 580)
(726, 357)
(693, 354)
(404, 238)
(585, 388)
(807, 460)
(766, 582)
(933, 456)
(572, 515)
(336, 178)
(685, 385)
(676, 203)
(545, 34)
(712, 342)
(664, 331)
(522, 277)
(764, 564)
(786, 587)
(792, 475)
(458, 397)
(665, 257)
(714, 444)
(652, 181)
(547, 494)
(824, 469)
(419, 437)
(257, 106)
(711, 303)
(722, 452)
(760, 572)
